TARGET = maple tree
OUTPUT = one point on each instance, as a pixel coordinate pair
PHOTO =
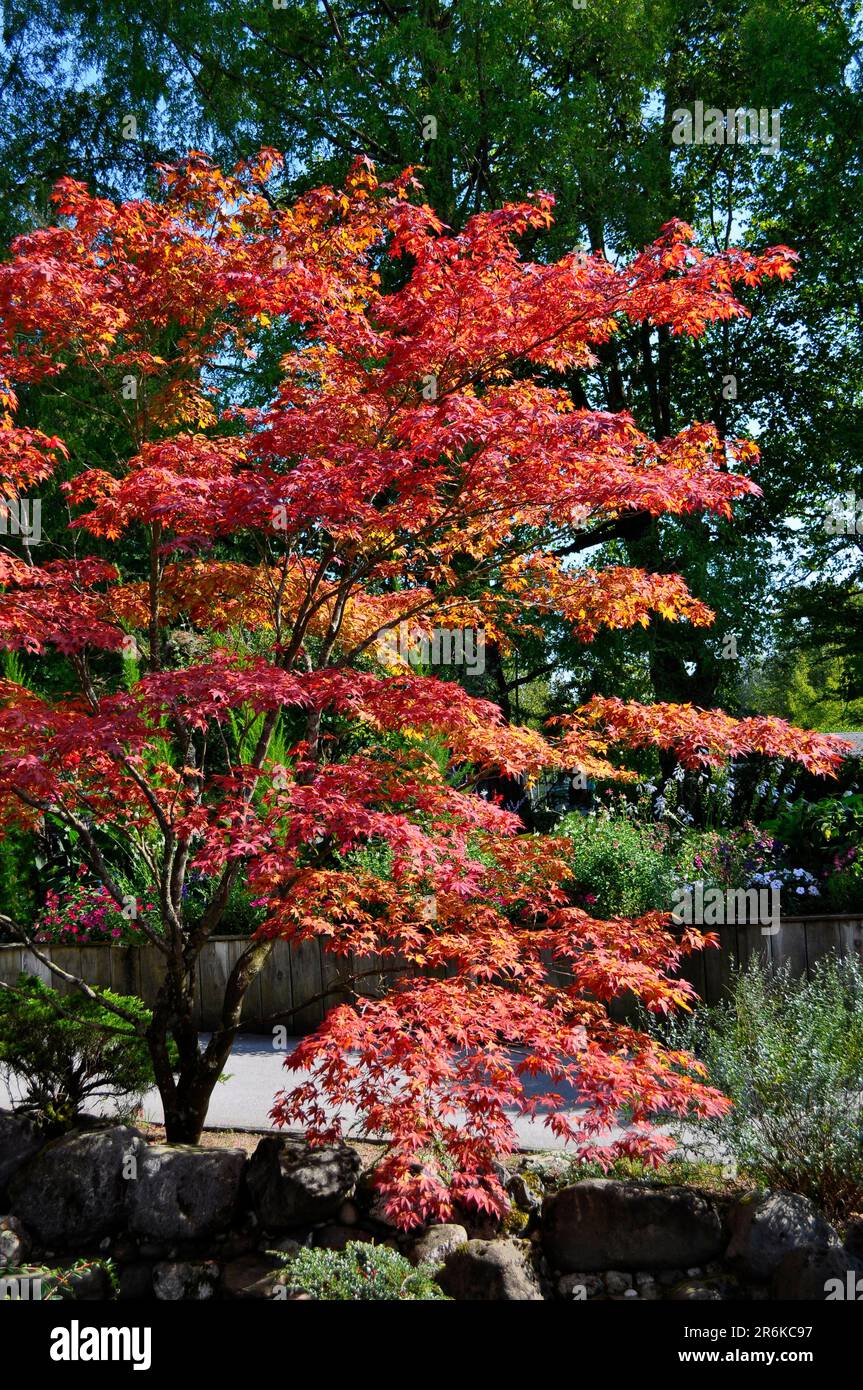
(409, 470)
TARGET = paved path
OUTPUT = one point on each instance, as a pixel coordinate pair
(255, 1073)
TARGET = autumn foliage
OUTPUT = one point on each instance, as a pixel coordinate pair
(411, 467)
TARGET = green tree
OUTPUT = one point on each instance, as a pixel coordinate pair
(494, 97)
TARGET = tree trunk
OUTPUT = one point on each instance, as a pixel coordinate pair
(185, 1091)
(185, 1115)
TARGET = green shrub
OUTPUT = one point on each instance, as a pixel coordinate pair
(243, 911)
(360, 1271)
(62, 1049)
(677, 1171)
(826, 837)
(18, 876)
(843, 890)
(618, 867)
(789, 1054)
(68, 1282)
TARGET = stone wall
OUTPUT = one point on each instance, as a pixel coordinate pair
(186, 1222)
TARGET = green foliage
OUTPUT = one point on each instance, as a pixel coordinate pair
(843, 891)
(618, 867)
(789, 1054)
(817, 688)
(242, 916)
(246, 728)
(374, 858)
(827, 838)
(64, 1049)
(359, 1272)
(17, 875)
(67, 1282)
(813, 830)
(17, 847)
(678, 1171)
(530, 93)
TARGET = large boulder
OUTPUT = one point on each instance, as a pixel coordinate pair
(336, 1237)
(136, 1282)
(175, 1280)
(292, 1184)
(436, 1242)
(74, 1191)
(14, 1242)
(252, 1276)
(854, 1237)
(825, 1274)
(766, 1226)
(183, 1192)
(20, 1140)
(602, 1224)
(489, 1270)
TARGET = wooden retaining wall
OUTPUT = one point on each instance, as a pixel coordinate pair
(299, 982)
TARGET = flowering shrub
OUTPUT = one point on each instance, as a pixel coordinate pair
(712, 798)
(745, 858)
(86, 913)
(826, 837)
(622, 865)
(844, 886)
(618, 867)
(795, 886)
